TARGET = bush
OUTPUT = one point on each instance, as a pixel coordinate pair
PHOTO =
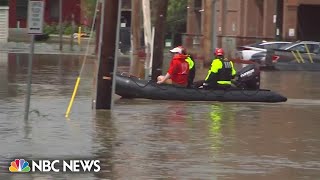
(50, 29)
(67, 29)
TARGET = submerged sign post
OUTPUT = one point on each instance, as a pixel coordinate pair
(35, 17)
(35, 26)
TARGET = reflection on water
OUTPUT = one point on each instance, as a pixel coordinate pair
(221, 116)
(143, 139)
(296, 85)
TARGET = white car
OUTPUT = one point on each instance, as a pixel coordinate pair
(245, 52)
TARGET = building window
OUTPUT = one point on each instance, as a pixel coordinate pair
(126, 4)
(54, 9)
(22, 9)
(198, 4)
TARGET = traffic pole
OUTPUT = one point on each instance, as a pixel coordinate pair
(27, 105)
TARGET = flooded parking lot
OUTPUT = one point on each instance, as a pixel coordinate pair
(144, 139)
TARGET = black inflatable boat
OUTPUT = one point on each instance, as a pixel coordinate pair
(246, 90)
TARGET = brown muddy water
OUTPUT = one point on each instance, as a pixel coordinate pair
(144, 139)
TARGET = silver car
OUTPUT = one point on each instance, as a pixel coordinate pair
(312, 47)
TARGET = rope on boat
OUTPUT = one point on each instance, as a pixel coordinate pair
(200, 91)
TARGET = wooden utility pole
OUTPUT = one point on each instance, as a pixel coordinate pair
(108, 54)
(214, 25)
(159, 38)
(207, 29)
(279, 19)
(135, 67)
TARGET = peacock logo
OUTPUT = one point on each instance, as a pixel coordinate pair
(19, 165)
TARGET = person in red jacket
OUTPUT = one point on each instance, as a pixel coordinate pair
(178, 71)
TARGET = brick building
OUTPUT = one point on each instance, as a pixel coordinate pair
(245, 21)
(301, 16)
(18, 11)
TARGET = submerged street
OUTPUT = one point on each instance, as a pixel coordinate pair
(146, 139)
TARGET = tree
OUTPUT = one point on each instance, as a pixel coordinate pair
(176, 20)
(177, 15)
(89, 8)
(4, 3)
(169, 16)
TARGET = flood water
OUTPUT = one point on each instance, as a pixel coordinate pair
(144, 139)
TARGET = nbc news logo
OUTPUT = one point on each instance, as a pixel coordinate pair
(21, 165)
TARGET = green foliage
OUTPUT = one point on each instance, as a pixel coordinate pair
(55, 29)
(4, 2)
(49, 29)
(177, 15)
(89, 7)
(68, 30)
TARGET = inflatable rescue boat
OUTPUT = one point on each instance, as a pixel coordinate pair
(246, 89)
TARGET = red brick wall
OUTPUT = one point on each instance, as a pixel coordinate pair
(12, 14)
(290, 16)
(69, 7)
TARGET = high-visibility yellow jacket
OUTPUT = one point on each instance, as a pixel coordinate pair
(221, 72)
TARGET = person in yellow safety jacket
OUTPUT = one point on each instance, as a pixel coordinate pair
(221, 72)
(192, 67)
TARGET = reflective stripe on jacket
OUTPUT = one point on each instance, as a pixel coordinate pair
(221, 72)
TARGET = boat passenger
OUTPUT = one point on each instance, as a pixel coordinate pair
(178, 71)
(192, 67)
(220, 73)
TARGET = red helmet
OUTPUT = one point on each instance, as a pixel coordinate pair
(219, 52)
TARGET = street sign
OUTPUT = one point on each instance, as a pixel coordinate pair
(35, 17)
(35, 26)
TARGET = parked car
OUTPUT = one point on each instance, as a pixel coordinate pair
(306, 50)
(303, 47)
(284, 53)
(259, 58)
(246, 52)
